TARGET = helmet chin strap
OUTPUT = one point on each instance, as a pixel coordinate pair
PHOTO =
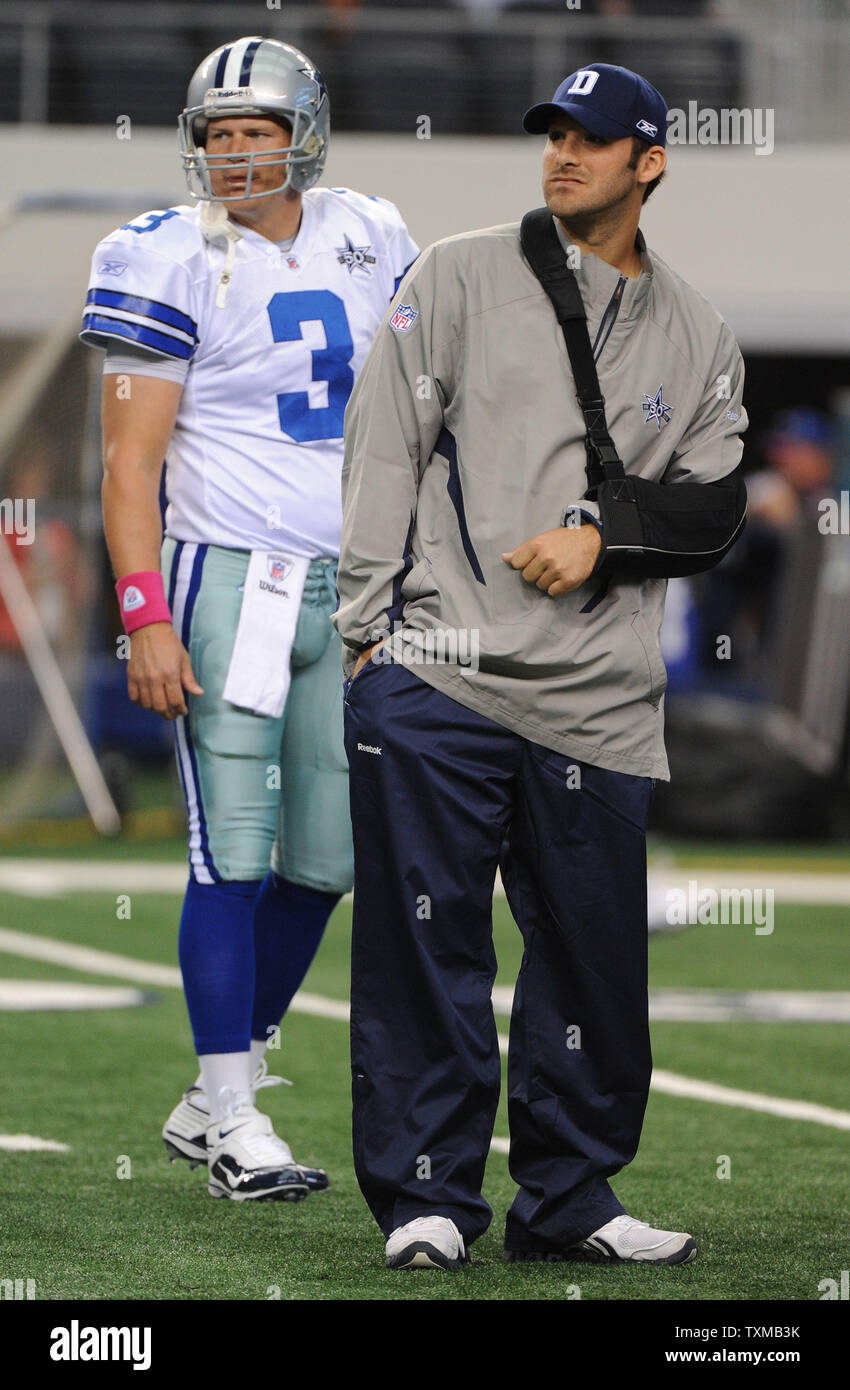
(216, 224)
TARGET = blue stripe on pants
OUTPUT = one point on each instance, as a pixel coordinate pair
(439, 795)
(194, 587)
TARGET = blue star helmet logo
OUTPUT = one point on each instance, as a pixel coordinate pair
(656, 408)
(319, 81)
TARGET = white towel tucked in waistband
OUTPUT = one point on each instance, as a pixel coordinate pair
(258, 674)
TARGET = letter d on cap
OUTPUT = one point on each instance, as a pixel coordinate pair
(586, 80)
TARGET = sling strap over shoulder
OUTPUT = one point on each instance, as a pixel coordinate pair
(543, 250)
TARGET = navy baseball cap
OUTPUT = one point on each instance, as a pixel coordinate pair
(608, 101)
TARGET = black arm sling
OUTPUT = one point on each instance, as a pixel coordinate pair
(649, 529)
(546, 256)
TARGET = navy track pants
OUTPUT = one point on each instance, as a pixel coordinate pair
(441, 796)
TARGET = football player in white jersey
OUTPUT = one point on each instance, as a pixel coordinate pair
(233, 331)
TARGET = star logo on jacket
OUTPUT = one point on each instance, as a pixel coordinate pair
(656, 408)
(355, 257)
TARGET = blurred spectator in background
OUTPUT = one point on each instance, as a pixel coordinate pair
(740, 595)
(470, 81)
(798, 450)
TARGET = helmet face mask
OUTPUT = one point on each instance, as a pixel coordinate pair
(272, 80)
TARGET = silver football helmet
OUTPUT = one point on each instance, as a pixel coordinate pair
(256, 77)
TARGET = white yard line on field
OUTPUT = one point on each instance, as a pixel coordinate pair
(670, 1083)
(88, 960)
(28, 1143)
(731, 1005)
(320, 1007)
(38, 996)
(50, 878)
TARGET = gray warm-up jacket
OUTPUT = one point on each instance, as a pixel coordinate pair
(464, 438)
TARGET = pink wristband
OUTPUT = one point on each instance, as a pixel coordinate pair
(141, 598)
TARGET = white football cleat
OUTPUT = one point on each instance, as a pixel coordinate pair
(622, 1241)
(185, 1130)
(247, 1160)
(429, 1242)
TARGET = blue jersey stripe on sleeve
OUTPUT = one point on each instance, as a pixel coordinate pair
(137, 333)
(150, 308)
(399, 278)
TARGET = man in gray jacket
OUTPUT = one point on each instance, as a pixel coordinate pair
(504, 693)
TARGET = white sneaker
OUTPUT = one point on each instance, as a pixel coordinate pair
(185, 1130)
(247, 1160)
(429, 1242)
(621, 1241)
(626, 1240)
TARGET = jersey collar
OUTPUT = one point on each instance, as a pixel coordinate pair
(270, 248)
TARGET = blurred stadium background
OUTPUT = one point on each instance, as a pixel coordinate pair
(758, 724)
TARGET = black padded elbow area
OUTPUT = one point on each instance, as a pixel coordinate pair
(669, 529)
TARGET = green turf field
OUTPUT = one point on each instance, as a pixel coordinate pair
(103, 1082)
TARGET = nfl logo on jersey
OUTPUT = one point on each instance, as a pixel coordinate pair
(404, 318)
(278, 568)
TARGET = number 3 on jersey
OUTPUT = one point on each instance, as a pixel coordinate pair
(288, 312)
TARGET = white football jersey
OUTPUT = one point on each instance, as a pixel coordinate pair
(273, 349)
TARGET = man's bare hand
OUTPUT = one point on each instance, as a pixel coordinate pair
(557, 561)
(159, 670)
(365, 656)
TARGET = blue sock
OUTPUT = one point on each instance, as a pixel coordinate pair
(289, 921)
(217, 960)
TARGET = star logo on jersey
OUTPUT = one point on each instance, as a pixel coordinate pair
(656, 408)
(354, 257)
